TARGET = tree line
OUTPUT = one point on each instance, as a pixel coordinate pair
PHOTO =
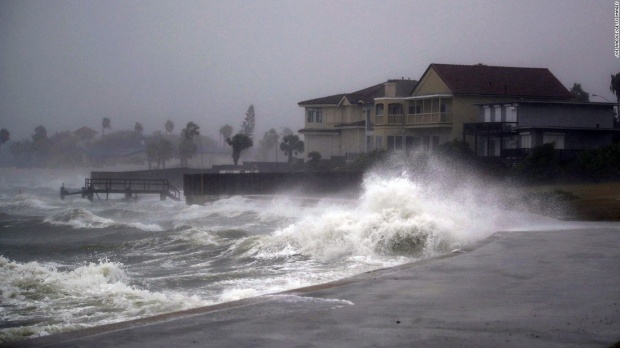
(82, 147)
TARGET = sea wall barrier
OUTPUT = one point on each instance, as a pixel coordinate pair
(199, 188)
(173, 175)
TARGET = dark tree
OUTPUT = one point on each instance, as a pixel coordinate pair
(225, 132)
(187, 148)
(614, 87)
(169, 126)
(314, 157)
(105, 123)
(138, 128)
(40, 145)
(4, 136)
(247, 127)
(291, 145)
(269, 141)
(579, 94)
(239, 143)
(158, 149)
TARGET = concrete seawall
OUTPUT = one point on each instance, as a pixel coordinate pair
(173, 175)
(200, 187)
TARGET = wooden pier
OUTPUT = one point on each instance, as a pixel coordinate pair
(129, 187)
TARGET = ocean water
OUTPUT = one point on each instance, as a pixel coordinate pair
(66, 265)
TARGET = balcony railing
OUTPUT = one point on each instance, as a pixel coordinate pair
(396, 119)
(486, 128)
(429, 118)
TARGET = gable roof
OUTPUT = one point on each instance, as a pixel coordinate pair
(364, 96)
(501, 81)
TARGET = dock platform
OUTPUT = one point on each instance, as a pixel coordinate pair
(129, 187)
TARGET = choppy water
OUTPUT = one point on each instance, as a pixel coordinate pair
(72, 264)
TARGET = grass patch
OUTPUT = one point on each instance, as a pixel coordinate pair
(590, 202)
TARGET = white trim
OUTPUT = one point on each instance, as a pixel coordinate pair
(430, 96)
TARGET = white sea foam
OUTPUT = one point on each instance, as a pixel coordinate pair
(79, 218)
(94, 293)
(395, 216)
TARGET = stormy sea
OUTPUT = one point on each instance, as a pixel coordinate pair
(72, 264)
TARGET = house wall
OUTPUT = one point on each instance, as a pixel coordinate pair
(431, 84)
(353, 141)
(563, 115)
(328, 145)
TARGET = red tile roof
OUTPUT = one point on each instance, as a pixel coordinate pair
(501, 81)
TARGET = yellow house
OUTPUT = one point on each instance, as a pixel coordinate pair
(341, 126)
(406, 114)
(445, 98)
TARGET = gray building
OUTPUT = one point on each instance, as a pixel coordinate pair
(507, 131)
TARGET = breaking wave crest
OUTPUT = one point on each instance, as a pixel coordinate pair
(394, 217)
(92, 294)
(82, 218)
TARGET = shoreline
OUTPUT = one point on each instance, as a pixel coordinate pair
(510, 289)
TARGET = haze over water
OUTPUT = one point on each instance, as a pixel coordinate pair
(72, 264)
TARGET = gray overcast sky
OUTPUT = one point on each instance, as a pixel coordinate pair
(67, 64)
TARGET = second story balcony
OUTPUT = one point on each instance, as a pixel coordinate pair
(429, 118)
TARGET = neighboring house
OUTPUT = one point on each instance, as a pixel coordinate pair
(341, 125)
(508, 131)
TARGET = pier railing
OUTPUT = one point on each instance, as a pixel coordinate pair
(129, 187)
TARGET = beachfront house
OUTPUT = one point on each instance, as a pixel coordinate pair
(341, 126)
(442, 105)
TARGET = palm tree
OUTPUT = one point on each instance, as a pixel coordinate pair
(291, 145)
(105, 124)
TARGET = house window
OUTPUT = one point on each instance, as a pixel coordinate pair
(399, 143)
(370, 145)
(526, 141)
(435, 141)
(487, 113)
(497, 114)
(395, 109)
(556, 138)
(379, 141)
(390, 142)
(511, 113)
(315, 115)
(426, 142)
(379, 110)
(409, 141)
(443, 107)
